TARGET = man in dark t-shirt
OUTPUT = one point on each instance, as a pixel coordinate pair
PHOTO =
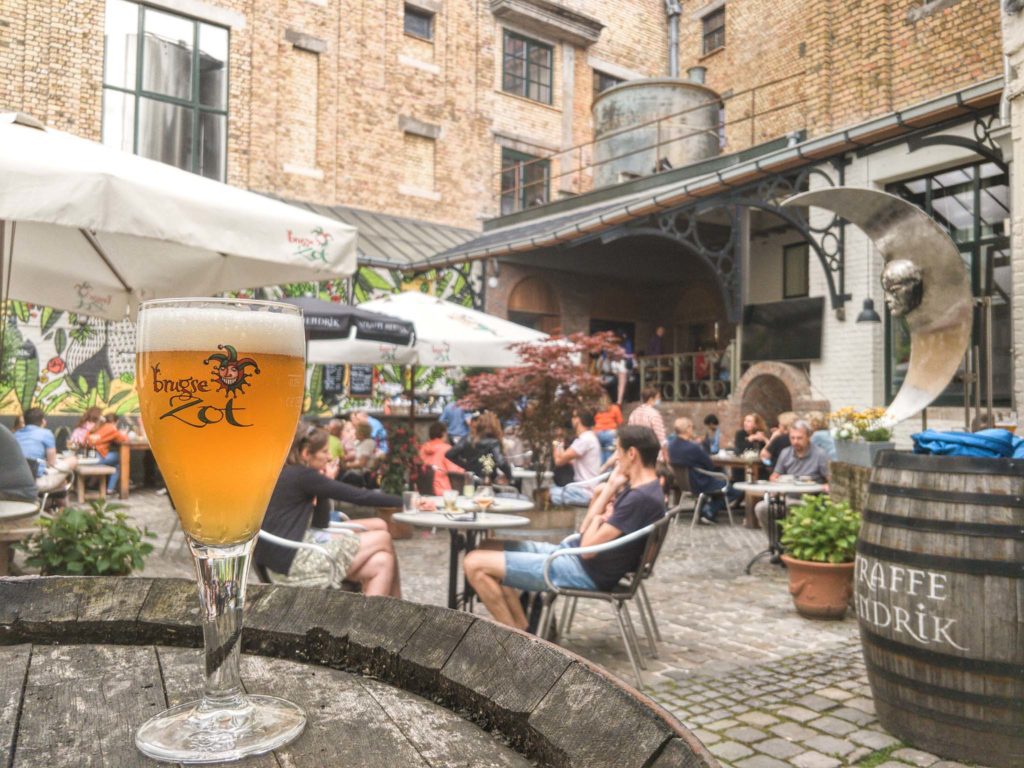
(631, 499)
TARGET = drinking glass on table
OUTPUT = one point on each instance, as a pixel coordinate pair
(450, 497)
(220, 385)
(484, 497)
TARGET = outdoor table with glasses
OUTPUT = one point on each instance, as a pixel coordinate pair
(751, 465)
(775, 492)
(465, 527)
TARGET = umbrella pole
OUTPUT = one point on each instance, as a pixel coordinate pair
(412, 400)
(5, 283)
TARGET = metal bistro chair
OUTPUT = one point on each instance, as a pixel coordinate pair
(622, 593)
(703, 497)
(264, 574)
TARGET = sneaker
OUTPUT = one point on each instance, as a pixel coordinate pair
(706, 521)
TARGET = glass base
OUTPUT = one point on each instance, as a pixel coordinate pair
(199, 732)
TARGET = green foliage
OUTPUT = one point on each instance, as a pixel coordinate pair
(401, 462)
(84, 542)
(821, 531)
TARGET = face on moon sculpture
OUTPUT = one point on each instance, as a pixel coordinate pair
(924, 280)
(901, 281)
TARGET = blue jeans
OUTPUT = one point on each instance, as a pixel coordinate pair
(606, 438)
(524, 567)
(113, 459)
(571, 496)
(716, 504)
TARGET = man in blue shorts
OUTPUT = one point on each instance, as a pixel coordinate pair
(630, 500)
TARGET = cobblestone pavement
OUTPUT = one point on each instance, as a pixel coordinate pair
(759, 685)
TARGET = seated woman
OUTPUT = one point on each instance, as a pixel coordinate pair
(432, 454)
(293, 513)
(89, 421)
(360, 462)
(484, 440)
(106, 438)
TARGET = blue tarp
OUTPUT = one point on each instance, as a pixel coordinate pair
(988, 443)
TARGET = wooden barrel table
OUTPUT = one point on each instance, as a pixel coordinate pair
(385, 683)
(939, 586)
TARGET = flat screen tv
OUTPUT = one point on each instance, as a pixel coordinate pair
(783, 330)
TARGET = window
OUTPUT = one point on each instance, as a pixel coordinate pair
(794, 271)
(973, 204)
(419, 23)
(714, 30)
(603, 81)
(526, 68)
(524, 181)
(165, 87)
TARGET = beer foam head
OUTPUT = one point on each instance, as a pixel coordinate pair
(180, 327)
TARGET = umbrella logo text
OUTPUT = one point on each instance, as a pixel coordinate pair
(313, 247)
(89, 301)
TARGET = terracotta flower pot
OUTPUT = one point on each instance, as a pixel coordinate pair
(820, 590)
(396, 529)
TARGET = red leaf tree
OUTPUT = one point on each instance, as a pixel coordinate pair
(556, 377)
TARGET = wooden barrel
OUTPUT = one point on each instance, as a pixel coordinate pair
(939, 586)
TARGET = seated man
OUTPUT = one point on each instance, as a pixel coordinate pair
(685, 452)
(498, 569)
(16, 481)
(585, 457)
(38, 443)
(802, 459)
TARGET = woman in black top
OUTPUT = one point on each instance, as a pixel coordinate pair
(484, 440)
(752, 437)
(299, 511)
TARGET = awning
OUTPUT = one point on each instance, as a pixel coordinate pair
(592, 213)
(392, 242)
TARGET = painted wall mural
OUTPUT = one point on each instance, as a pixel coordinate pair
(65, 362)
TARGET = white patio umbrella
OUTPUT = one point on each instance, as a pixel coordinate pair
(93, 230)
(450, 335)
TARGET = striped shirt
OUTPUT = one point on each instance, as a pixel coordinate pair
(648, 416)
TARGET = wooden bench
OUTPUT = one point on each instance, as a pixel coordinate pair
(83, 473)
(383, 681)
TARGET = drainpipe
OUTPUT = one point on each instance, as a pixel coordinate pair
(673, 9)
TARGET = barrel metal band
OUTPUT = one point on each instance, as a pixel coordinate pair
(1011, 570)
(939, 659)
(922, 712)
(978, 699)
(950, 497)
(949, 465)
(957, 527)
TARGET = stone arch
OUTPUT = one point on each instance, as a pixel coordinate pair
(769, 388)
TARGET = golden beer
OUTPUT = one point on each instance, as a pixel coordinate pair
(220, 400)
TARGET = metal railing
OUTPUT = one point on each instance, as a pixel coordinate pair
(578, 161)
(686, 376)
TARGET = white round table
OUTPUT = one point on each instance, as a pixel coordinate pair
(14, 526)
(527, 479)
(775, 492)
(464, 529)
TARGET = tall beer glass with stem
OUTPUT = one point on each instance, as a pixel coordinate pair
(220, 386)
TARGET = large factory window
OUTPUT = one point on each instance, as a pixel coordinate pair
(165, 87)
(525, 181)
(526, 68)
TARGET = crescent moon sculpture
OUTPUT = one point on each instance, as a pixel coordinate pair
(924, 280)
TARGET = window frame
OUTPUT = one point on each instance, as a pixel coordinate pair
(712, 38)
(193, 103)
(600, 74)
(516, 161)
(787, 251)
(530, 45)
(971, 245)
(413, 10)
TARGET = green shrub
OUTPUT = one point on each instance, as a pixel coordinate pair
(821, 531)
(88, 542)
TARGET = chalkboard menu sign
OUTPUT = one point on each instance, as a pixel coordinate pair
(360, 383)
(334, 380)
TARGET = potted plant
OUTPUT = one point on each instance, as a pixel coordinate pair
(860, 435)
(87, 542)
(396, 473)
(820, 539)
(556, 377)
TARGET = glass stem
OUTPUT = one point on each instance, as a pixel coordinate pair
(222, 573)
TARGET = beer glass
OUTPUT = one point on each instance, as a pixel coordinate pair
(220, 385)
